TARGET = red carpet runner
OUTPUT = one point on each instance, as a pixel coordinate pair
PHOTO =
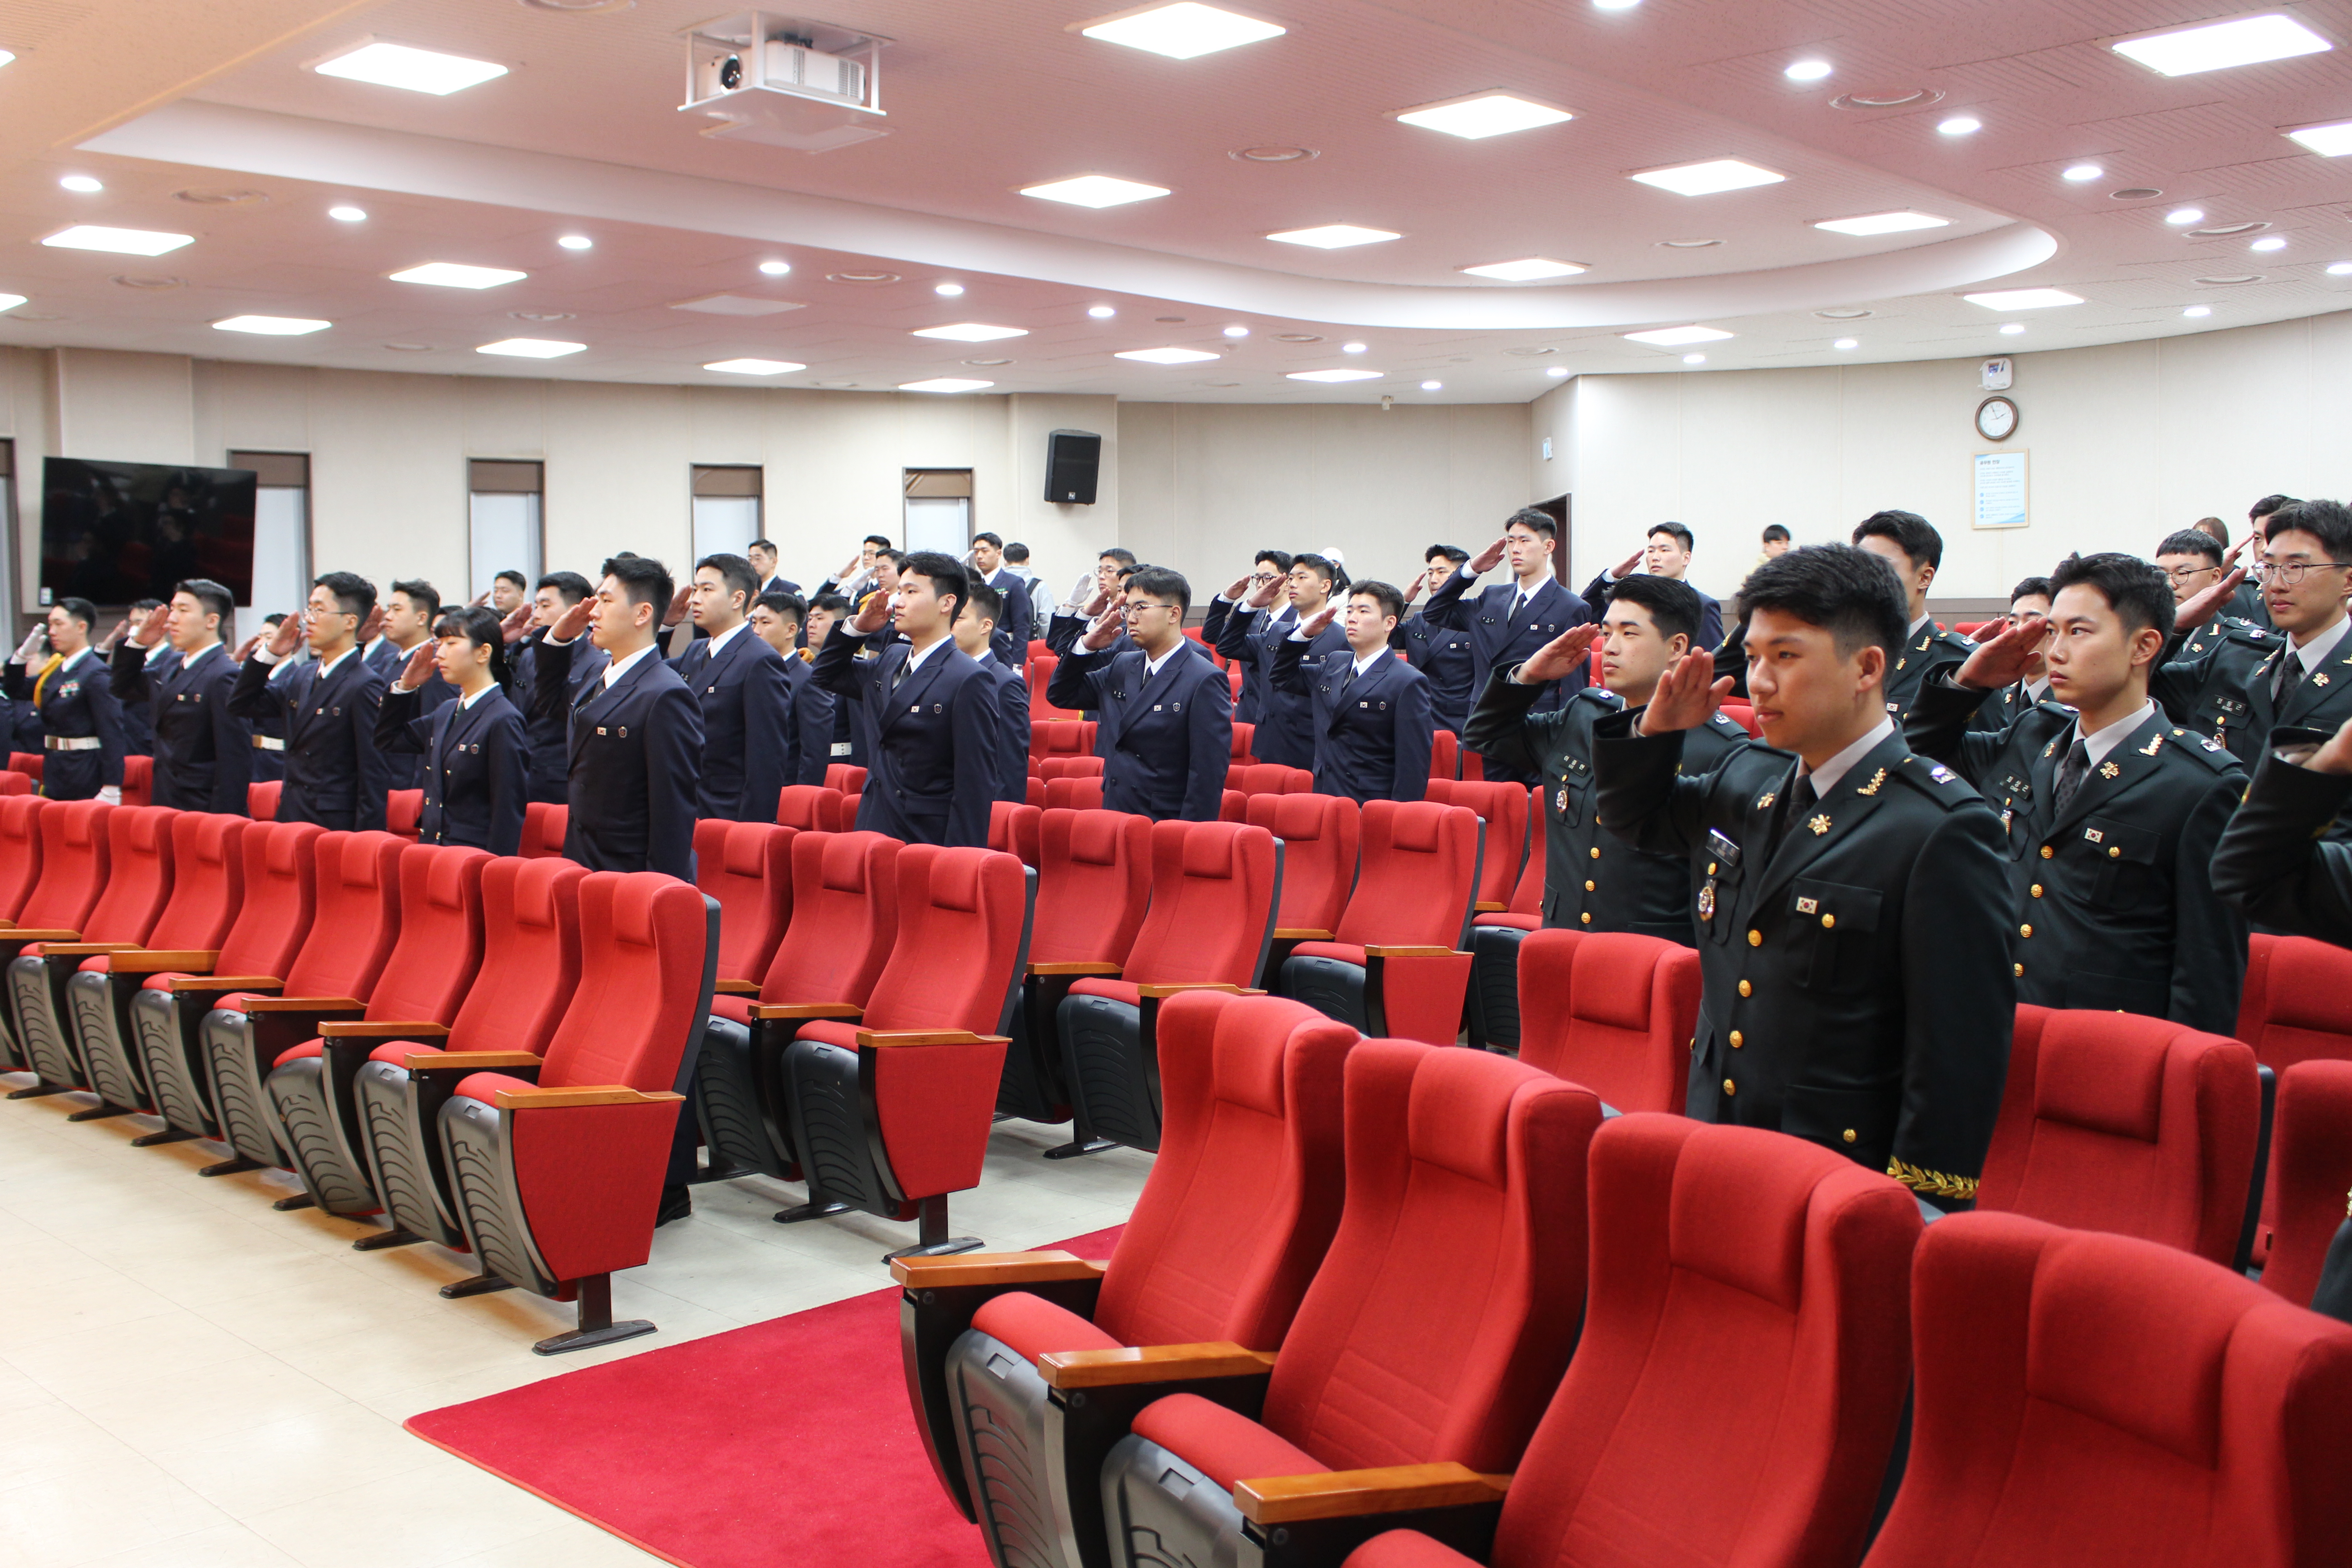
(784, 1444)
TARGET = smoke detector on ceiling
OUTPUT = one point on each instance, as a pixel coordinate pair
(132, 280)
(1888, 98)
(1298, 337)
(861, 277)
(1271, 155)
(223, 198)
(2225, 230)
(581, 7)
(2134, 194)
(784, 81)
(2233, 278)
(1844, 313)
(1688, 244)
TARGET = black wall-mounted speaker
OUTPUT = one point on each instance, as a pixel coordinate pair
(1073, 458)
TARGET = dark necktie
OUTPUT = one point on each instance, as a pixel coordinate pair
(2285, 677)
(1519, 603)
(2071, 769)
(1793, 806)
(898, 676)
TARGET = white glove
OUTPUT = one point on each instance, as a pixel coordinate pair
(29, 647)
(111, 794)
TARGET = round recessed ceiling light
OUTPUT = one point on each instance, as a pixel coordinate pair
(776, 268)
(1101, 312)
(1173, 320)
(1847, 344)
(1557, 370)
(1530, 354)
(134, 280)
(1844, 313)
(2196, 312)
(1433, 386)
(848, 277)
(2081, 174)
(2269, 242)
(1353, 348)
(82, 184)
(2230, 279)
(1890, 97)
(2340, 269)
(1693, 358)
(540, 315)
(1273, 154)
(2011, 329)
(1236, 332)
(1614, 4)
(216, 197)
(2179, 217)
(410, 348)
(988, 362)
(1297, 338)
(2228, 230)
(577, 242)
(2134, 194)
(947, 291)
(1807, 71)
(1688, 244)
(348, 214)
(1960, 125)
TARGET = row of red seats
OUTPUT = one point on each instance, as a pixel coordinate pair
(1368, 1277)
(138, 776)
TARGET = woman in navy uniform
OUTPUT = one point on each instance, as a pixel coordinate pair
(477, 757)
(81, 724)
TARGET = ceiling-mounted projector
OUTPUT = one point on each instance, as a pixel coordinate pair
(784, 81)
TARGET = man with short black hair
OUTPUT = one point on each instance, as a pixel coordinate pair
(1167, 728)
(825, 612)
(1286, 731)
(2028, 601)
(335, 775)
(930, 713)
(739, 684)
(1857, 985)
(1776, 542)
(2113, 811)
(547, 726)
(73, 694)
(138, 718)
(764, 558)
(1511, 620)
(508, 589)
(1371, 718)
(202, 751)
(976, 635)
(777, 618)
(1013, 621)
(1666, 553)
(1440, 653)
(406, 621)
(1041, 603)
(2192, 561)
(1270, 569)
(1103, 579)
(1909, 544)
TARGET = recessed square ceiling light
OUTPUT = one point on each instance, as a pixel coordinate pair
(1332, 375)
(971, 332)
(944, 383)
(1674, 336)
(7, 56)
(2243, 41)
(1525, 271)
(755, 366)
(416, 71)
(271, 326)
(457, 275)
(531, 348)
(1166, 356)
(1882, 223)
(1333, 236)
(1184, 31)
(736, 305)
(2328, 140)
(1483, 114)
(348, 214)
(121, 241)
(2022, 298)
(1094, 190)
(9, 301)
(1706, 179)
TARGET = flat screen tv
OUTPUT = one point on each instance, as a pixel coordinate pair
(113, 533)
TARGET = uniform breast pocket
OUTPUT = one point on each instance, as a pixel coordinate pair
(2126, 857)
(1835, 925)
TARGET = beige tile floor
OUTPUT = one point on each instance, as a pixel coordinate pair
(191, 1379)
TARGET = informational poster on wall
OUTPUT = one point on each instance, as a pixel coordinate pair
(2001, 489)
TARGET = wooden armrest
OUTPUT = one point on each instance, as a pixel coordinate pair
(1175, 987)
(1370, 952)
(306, 1005)
(563, 1099)
(228, 983)
(1489, 907)
(736, 988)
(993, 1269)
(1151, 1363)
(1295, 933)
(362, 1029)
(471, 1061)
(151, 961)
(21, 934)
(85, 949)
(1075, 966)
(879, 1040)
(849, 1010)
(1338, 1494)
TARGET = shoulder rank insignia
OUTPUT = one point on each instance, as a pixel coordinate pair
(2155, 743)
(1943, 774)
(1820, 824)
(2213, 746)
(1764, 800)
(1876, 780)
(2109, 770)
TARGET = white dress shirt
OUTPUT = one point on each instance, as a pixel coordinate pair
(1825, 777)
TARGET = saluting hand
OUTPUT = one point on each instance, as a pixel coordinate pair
(121, 629)
(2203, 604)
(1561, 657)
(1234, 590)
(288, 634)
(1104, 630)
(478, 600)
(1686, 694)
(150, 631)
(1625, 568)
(245, 649)
(1487, 560)
(677, 604)
(369, 624)
(1412, 589)
(1265, 594)
(1096, 601)
(516, 623)
(2002, 662)
(418, 667)
(571, 622)
(1312, 626)
(872, 616)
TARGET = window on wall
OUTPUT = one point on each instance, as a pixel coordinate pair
(503, 520)
(939, 509)
(7, 522)
(727, 510)
(281, 530)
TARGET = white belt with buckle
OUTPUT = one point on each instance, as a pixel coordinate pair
(268, 744)
(72, 742)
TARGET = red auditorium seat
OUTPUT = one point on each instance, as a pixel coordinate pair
(746, 868)
(20, 850)
(1214, 886)
(1444, 755)
(2311, 1172)
(1319, 833)
(1233, 1221)
(1243, 733)
(1393, 964)
(1612, 1011)
(1474, 767)
(844, 815)
(138, 782)
(1060, 767)
(543, 826)
(2296, 1006)
(1268, 778)
(1750, 1303)
(1074, 795)
(208, 857)
(1040, 671)
(261, 799)
(1013, 829)
(2088, 1401)
(404, 814)
(890, 1110)
(2122, 1123)
(1234, 806)
(1060, 738)
(425, 980)
(352, 934)
(74, 852)
(1492, 1017)
(808, 807)
(557, 1168)
(1435, 1329)
(1744, 715)
(26, 763)
(18, 783)
(138, 874)
(842, 776)
(1503, 851)
(177, 991)
(844, 919)
(1033, 793)
(1094, 881)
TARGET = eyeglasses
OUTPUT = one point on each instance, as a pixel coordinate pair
(1266, 577)
(2190, 573)
(2288, 574)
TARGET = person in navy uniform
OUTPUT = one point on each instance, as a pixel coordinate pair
(776, 620)
(826, 614)
(269, 730)
(738, 681)
(409, 613)
(1167, 724)
(1285, 730)
(73, 691)
(1909, 544)
(1440, 653)
(1665, 553)
(2028, 600)
(764, 557)
(2113, 811)
(2275, 860)
(1856, 988)
(635, 749)
(548, 725)
(1269, 575)
(1011, 644)
(203, 751)
(138, 718)
(976, 635)
(929, 713)
(2219, 705)
(335, 776)
(1593, 880)
(1508, 622)
(1371, 718)
(477, 772)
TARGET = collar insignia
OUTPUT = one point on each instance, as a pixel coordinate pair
(2050, 748)
(2319, 678)
(1820, 825)
(2153, 744)
(1764, 800)
(2109, 770)
(1876, 780)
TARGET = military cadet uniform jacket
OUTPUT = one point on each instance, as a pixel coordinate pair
(1594, 880)
(2112, 902)
(203, 751)
(632, 754)
(1236, 634)
(1442, 654)
(335, 776)
(76, 702)
(1856, 986)
(2221, 685)
(1287, 728)
(1166, 740)
(1927, 651)
(1372, 730)
(932, 741)
(477, 766)
(2004, 708)
(2274, 862)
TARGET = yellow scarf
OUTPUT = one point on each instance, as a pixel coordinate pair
(56, 662)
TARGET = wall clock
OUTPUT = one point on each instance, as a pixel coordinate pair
(1996, 419)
